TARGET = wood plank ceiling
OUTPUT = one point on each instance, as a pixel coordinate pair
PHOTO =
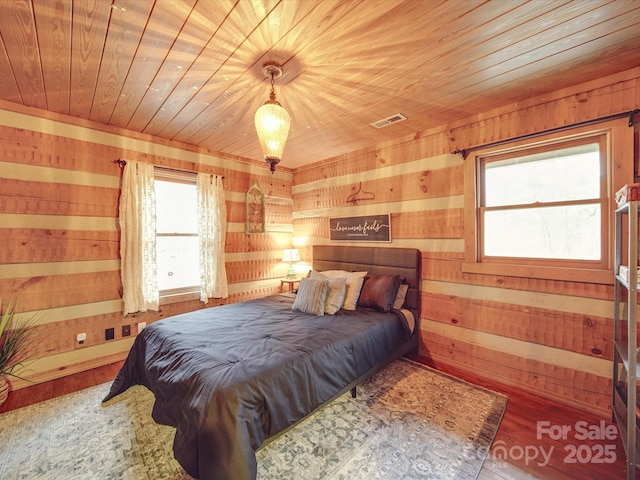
(191, 70)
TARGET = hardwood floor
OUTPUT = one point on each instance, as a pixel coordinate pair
(530, 445)
(519, 451)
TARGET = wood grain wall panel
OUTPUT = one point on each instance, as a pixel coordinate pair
(428, 224)
(549, 337)
(274, 213)
(585, 334)
(19, 196)
(424, 145)
(60, 337)
(564, 107)
(450, 270)
(23, 245)
(59, 194)
(253, 294)
(400, 188)
(587, 391)
(43, 292)
(249, 270)
(165, 311)
(271, 185)
(21, 146)
(260, 242)
(311, 227)
(323, 198)
(235, 212)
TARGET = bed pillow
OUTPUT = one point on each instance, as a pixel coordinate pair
(379, 292)
(335, 294)
(400, 296)
(311, 296)
(354, 285)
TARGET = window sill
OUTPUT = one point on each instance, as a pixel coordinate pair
(167, 299)
(604, 277)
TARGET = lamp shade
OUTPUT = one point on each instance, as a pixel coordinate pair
(272, 124)
(291, 255)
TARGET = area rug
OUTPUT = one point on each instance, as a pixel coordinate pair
(407, 422)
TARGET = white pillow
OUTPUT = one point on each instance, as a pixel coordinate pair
(354, 285)
(335, 294)
(400, 296)
(311, 296)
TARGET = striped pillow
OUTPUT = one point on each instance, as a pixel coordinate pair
(311, 296)
(336, 293)
(354, 285)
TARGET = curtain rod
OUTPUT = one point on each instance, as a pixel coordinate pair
(121, 163)
(465, 151)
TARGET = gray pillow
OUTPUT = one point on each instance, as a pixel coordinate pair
(336, 293)
(311, 296)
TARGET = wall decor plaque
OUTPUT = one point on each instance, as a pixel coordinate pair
(254, 209)
(367, 228)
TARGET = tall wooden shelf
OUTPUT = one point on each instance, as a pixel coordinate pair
(626, 369)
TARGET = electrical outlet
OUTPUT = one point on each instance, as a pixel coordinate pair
(81, 337)
(126, 330)
(109, 334)
(141, 326)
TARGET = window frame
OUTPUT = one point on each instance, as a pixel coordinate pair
(617, 138)
(191, 292)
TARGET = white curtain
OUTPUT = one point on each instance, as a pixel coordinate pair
(212, 230)
(138, 239)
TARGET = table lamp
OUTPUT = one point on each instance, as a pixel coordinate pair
(291, 255)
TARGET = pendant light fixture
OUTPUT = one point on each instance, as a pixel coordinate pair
(272, 121)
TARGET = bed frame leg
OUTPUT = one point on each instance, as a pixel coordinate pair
(353, 392)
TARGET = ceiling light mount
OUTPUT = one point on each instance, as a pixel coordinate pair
(272, 121)
(272, 69)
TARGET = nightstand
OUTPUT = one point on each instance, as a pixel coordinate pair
(290, 281)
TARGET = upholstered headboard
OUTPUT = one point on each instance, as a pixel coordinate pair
(376, 261)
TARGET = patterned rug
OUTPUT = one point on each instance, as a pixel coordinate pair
(407, 422)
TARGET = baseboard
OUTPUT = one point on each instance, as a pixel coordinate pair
(54, 374)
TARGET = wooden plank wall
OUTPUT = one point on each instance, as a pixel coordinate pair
(58, 220)
(548, 337)
(59, 255)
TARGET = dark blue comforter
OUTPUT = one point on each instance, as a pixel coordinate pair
(230, 377)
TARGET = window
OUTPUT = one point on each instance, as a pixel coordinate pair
(172, 237)
(544, 204)
(177, 251)
(543, 209)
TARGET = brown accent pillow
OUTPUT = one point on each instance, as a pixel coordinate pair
(379, 292)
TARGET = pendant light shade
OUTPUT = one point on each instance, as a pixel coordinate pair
(272, 122)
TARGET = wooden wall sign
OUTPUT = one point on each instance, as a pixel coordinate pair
(369, 228)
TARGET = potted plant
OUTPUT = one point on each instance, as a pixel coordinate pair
(15, 344)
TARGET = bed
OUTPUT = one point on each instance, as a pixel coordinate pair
(231, 377)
